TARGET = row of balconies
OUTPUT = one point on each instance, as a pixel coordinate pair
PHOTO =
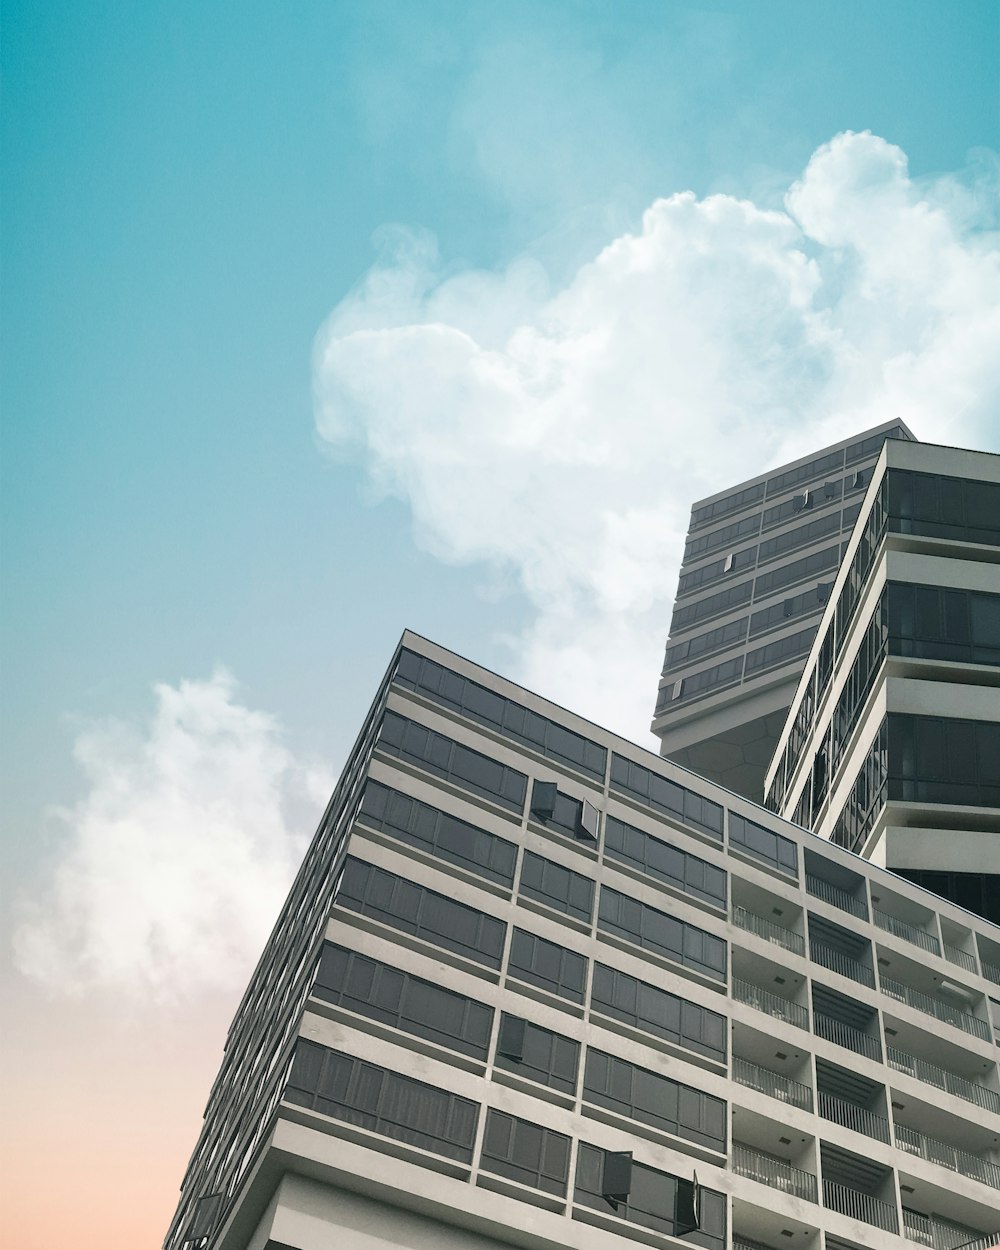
(920, 1229)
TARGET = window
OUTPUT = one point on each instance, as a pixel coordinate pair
(791, 647)
(438, 833)
(704, 644)
(687, 614)
(613, 1183)
(725, 674)
(664, 935)
(558, 887)
(371, 1097)
(550, 967)
(652, 1099)
(730, 503)
(416, 672)
(656, 1011)
(453, 762)
(426, 914)
(656, 858)
(933, 759)
(930, 622)
(662, 795)
(762, 843)
(708, 573)
(723, 537)
(525, 1152)
(797, 571)
(800, 536)
(537, 1054)
(805, 472)
(577, 818)
(944, 507)
(381, 992)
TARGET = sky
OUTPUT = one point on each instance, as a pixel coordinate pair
(324, 322)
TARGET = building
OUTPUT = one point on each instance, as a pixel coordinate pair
(758, 565)
(892, 744)
(537, 987)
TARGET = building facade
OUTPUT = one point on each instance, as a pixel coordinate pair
(537, 987)
(758, 565)
(892, 745)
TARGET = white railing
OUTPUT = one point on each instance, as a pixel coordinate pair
(772, 1004)
(768, 930)
(774, 1172)
(772, 1083)
(860, 1206)
(851, 1116)
(908, 932)
(931, 1074)
(836, 896)
(846, 1035)
(950, 1157)
(934, 1007)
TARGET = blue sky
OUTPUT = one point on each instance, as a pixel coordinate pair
(192, 189)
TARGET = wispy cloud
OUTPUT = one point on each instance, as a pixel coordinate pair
(562, 436)
(173, 865)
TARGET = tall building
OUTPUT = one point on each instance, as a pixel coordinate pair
(758, 565)
(892, 745)
(537, 987)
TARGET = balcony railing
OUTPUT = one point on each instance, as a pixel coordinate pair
(860, 1206)
(991, 972)
(774, 1172)
(847, 1035)
(851, 1116)
(744, 1243)
(950, 1157)
(769, 931)
(962, 958)
(938, 1236)
(772, 1004)
(772, 1083)
(908, 932)
(837, 961)
(934, 1007)
(931, 1074)
(836, 896)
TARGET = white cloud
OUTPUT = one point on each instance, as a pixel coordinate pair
(176, 861)
(562, 437)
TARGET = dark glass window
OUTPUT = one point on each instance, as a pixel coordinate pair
(819, 467)
(731, 563)
(933, 759)
(666, 796)
(453, 761)
(525, 1152)
(978, 892)
(724, 537)
(560, 812)
(871, 446)
(800, 536)
(438, 833)
(867, 797)
(694, 684)
(722, 507)
(381, 992)
(778, 613)
(687, 614)
(704, 644)
(537, 1054)
(426, 914)
(791, 647)
(547, 882)
(944, 507)
(763, 843)
(798, 571)
(665, 935)
(930, 622)
(659, 859)
(503, 715)
(550, 967)
(656, 1011)
(653, 1099)
(385, 1102)
(654, 1200)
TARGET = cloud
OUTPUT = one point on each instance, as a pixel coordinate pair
(562, 436)
(175, 862)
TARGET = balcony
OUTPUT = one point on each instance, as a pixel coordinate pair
(960, 958)
(859, 1206)
(834, 895)
(768, 930)
(772, 1083)
(934, 1007)
(991, 972)
(908, 932)
(950, 1157)
(837, 961)
(773, 1172)
(849, 1115)
(770, 1004)
(940, 1078)
(938, 1236)
(847, 1036)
